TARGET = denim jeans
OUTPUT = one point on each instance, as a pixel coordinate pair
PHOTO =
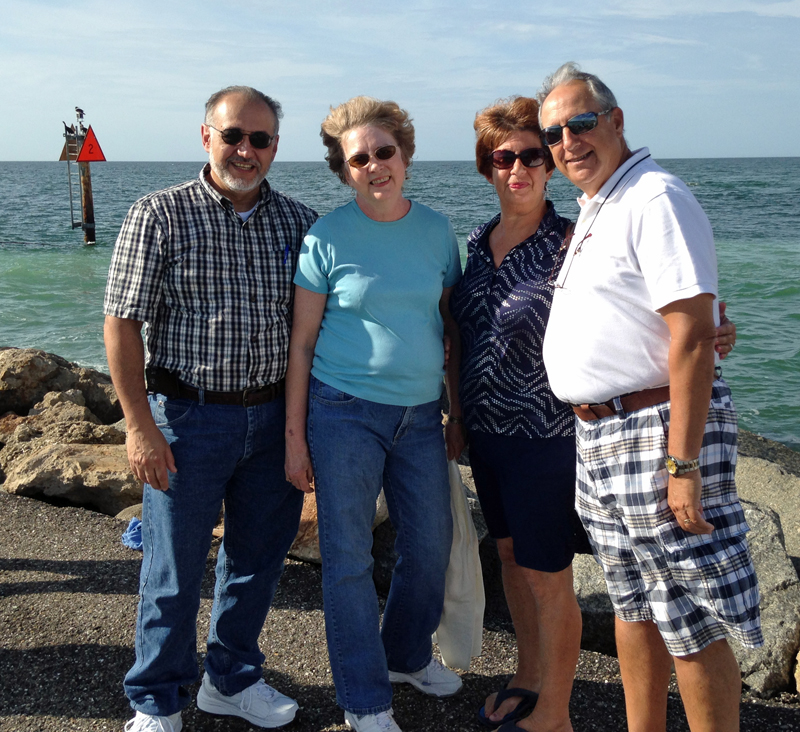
(357, 446)
(229, 453)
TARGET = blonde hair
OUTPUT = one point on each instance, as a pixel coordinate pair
(365, 112)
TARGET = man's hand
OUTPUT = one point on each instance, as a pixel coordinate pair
(683, 495)
(298, 468)
(150, 457)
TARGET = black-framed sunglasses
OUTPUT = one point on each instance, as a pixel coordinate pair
(578, 125)
(361, 160)
(233, 136)
(532, 157)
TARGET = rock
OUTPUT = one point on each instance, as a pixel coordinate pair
(768, 484)
(27, 374)
(60, 419)
(768, 669)
(306, 543)
(797, 673)
(87, 475)
(126, 514)
(8, 423)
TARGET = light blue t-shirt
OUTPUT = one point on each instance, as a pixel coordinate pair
(381, 333)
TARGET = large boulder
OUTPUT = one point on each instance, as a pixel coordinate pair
(96, 476)
(27, 374)
(768, 669)
(61, 450)
(769, 484)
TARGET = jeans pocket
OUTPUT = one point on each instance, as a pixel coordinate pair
(169, 412)
(330, 394)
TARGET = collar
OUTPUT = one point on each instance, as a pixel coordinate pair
(548, 223)
(265, 192)
(612, 184)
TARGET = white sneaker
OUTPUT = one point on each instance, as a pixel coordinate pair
(152, 723)
(381, 722)
(435, 679)
(259, 704)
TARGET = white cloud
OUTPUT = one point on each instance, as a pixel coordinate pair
(690, 8)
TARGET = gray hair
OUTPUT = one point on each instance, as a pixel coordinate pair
(568, 72)
(252, 95)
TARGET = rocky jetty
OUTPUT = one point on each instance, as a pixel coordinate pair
(61, 440)
(60, 433)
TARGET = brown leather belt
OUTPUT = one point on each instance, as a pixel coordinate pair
(630, 403)
(161, 381)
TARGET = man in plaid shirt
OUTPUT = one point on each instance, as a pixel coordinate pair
(207, 267)
(630, 344)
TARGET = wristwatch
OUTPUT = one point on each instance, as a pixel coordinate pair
(679, 467)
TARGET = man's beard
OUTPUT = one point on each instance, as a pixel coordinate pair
(230, 180)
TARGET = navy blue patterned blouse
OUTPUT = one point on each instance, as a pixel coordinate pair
(502, 315)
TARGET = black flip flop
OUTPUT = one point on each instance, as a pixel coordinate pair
(523, 709)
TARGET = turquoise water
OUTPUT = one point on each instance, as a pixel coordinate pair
(51, 284)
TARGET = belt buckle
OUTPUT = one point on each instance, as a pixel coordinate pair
(246, 396)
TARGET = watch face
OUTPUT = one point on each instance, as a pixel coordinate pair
(671, 466)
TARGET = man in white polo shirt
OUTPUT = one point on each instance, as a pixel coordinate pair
(630, 343)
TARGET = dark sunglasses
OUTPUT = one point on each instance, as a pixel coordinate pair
(578, 125)
(233, 136)
(361, 160)
(533, 157)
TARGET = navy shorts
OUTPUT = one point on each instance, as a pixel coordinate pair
(527, 491)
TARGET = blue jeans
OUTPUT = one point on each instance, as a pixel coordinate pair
(229, 453)
(357, 446)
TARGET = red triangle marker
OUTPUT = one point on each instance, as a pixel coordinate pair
(90, 152)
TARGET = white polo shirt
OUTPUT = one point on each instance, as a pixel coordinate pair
(641, 243)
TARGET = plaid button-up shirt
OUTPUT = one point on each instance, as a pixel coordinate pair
(215, 292)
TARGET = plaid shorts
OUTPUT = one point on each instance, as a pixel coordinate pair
(696, 588)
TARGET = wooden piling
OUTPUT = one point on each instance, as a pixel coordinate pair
(87, 203)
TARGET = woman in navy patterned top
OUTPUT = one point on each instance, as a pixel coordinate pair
(522, 446)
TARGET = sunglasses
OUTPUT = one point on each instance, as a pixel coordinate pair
(233, 136)
(578, 125)
(361, 160)
(533, 157)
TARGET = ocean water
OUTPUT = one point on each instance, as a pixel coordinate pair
(51, 284)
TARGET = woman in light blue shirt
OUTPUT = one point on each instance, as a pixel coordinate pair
(366, 363)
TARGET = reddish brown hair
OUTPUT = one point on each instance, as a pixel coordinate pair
(494, 124)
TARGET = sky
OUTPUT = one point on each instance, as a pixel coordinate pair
(695, 78)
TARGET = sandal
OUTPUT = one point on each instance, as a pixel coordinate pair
(523, 709)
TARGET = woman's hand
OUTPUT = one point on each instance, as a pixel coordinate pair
(455, 438)
(298, 468)
(726, 333)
